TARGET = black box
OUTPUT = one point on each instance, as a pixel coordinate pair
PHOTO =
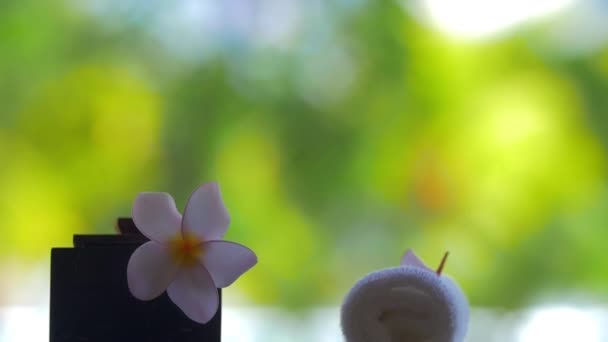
(90, 299)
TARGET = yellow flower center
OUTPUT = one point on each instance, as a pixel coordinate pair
(186, 249)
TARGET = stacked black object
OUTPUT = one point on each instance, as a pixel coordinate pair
(90, 300)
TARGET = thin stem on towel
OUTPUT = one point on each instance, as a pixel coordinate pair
(445, 258)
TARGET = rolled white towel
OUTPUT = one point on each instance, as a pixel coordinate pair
(408, 303)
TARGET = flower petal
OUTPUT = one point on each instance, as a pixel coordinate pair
(226, 261)
(155, 215)
(194, 293)
(150, 270)
(411, 259)
(205, 215)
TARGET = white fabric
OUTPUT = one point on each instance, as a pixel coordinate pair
(405, 304)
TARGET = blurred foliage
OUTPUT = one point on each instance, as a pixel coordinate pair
(340, 132)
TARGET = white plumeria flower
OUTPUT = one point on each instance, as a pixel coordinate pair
(185, 256)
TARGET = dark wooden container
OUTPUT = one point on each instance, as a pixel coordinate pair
(90, 300)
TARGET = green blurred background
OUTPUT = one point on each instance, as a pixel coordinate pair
(341, 133)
